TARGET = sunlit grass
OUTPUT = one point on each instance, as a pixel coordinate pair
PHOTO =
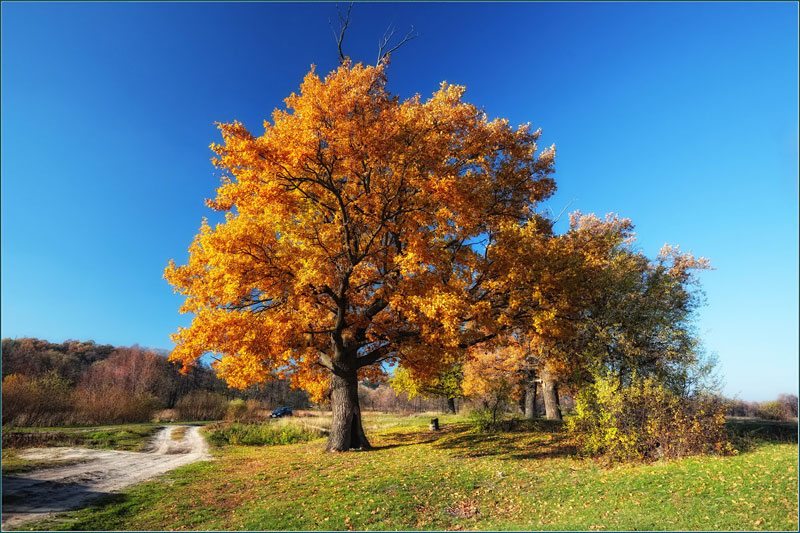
(281, 431)
(528, 479)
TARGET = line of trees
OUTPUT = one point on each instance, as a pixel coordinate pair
(783, 408)
(86, 383)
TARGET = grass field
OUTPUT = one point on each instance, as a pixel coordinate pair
(526, 479)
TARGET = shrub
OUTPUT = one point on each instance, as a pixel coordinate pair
(236, 409)
(646, 421)
(240, 410)
(773, 411)
(39, 401)
(201, 405)
(166, 415)
(789, 402)
(254, 411)
(113, 405)
(483, 419)
(262, 433)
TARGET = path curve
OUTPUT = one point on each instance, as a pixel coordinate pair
(35, 495)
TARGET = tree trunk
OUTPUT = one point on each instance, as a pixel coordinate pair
(550, 396)
(346, 430)
(530, 400)
(451, 405)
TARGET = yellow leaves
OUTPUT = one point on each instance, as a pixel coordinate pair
(493, 372)
(352, 196)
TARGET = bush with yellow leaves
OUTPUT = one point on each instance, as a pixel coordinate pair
(644, 420)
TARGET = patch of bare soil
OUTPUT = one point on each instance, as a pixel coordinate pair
(39, 493)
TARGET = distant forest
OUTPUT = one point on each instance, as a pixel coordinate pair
(85, 383)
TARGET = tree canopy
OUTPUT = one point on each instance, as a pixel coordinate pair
(360, 228)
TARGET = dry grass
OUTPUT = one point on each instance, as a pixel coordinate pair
(179, 432)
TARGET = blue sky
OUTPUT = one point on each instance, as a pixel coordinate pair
(680, 116)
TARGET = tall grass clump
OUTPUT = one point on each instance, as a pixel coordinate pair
(262, 433)
(645, 420)
(239, 410)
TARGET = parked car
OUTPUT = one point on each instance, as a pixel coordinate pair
(281, 411)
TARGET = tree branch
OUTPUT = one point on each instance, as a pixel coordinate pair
(344, 22)
(373, 356)
(387, 37)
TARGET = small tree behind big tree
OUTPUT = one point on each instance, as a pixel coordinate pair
(359, 229)
(610, 310)
(446, 385)
(554, 279)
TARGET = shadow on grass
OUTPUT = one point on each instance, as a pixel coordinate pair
(397, 440)
(528, 441)
(748, 433)
(514, 440)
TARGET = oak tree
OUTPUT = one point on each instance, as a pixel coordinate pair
(359, 229)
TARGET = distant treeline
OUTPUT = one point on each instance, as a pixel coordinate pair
(784, 408)
(86, 383)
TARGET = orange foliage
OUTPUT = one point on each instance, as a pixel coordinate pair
(359, 229)
(494, 374)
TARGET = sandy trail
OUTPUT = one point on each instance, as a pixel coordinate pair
(34, 495)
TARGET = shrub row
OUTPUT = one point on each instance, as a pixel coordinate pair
(49, 400)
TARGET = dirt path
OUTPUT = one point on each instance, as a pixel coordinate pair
(34, 495)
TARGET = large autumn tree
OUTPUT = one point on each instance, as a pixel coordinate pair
(359, 229)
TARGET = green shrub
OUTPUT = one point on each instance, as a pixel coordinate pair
(646, 421)
(262, 433)
(243, 411)
(483, 420)
(488, 420)
(236, 409)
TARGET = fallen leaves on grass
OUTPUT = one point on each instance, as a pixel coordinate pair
(466, 509)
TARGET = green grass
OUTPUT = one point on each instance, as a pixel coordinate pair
(282, 431)
(526, 479)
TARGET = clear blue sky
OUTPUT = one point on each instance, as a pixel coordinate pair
(680, 116)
